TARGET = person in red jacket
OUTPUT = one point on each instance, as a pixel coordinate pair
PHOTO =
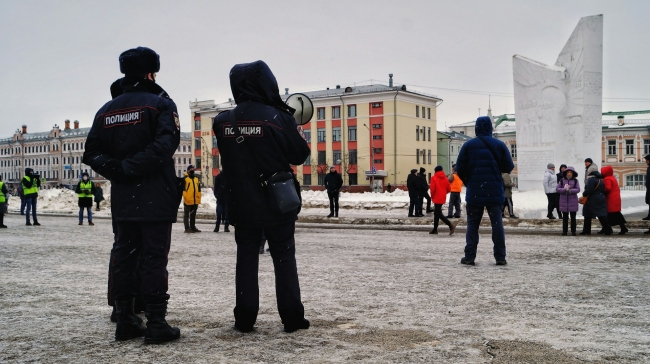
(613, 195)
(439, 188)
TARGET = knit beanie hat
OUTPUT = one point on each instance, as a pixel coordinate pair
(422, 170)
(550, 165)
(589, 160)
(647, 156)
(438, 169)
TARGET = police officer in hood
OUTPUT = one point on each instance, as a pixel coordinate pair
(274, 143)
(131, 143)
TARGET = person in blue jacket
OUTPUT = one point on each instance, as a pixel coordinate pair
(480, 164)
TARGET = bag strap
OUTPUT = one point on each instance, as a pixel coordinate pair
(248, 157)
(491, 151)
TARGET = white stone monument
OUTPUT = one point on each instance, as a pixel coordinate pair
(558, 108)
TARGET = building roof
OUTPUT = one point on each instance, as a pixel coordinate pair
(622, 113)
(455, 135)
(359, 90)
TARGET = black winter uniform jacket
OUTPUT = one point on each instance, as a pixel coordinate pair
(414, 185)
(272, 137)
(131, 143)
(333, 182)
(220, 187)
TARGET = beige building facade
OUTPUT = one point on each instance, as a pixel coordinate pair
(373, 135)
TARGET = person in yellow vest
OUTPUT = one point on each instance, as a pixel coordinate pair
(454, 196)
(191, 200)
(3, 202)
(85, 190)
(31, 183)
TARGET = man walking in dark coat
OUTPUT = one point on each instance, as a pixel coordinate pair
(481, 162)
(424, 194)
(269, 142)
(414, 186)
(220, 194)
(333, 183)
(131, 143)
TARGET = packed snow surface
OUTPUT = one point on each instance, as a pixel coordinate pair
(372, 296)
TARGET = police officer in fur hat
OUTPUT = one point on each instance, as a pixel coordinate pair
(131, 143)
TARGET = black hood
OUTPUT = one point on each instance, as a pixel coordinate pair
(116, 88)
(255, 82)
(596, 174)
(28, 171)
(483, 126)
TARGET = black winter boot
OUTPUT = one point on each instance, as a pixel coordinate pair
(127, 327)
(295, 326)
(114, 316)
(158, 330)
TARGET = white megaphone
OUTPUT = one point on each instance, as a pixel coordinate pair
(303, 106)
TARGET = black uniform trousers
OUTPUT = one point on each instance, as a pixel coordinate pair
(141, 246)
(428, 198)
(334, 202)
(189, 216)
(438, 215)
(287, 288)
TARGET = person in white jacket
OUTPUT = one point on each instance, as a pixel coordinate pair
(550, 185)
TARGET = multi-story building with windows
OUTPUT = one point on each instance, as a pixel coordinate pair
(373, 135)
(57, 155)
(624, 144)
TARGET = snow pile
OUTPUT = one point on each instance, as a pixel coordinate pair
(57, 200)
(367, 200)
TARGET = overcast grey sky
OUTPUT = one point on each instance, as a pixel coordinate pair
(58, 58)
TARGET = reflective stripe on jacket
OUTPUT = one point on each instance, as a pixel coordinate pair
(85, 186)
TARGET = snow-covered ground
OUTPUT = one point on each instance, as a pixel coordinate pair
(373, 296)
(530, 204)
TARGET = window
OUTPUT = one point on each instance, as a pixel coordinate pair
(611, 147)
(307, 135)
(513, 150)
(320, 113)
(215, 161)
(336, 134)
(378, 150)
(336, 156)
(376, 126)
(197, 164)
(417, 132)
(197, 124)
(352, 156)
(197, 143)
(417, 156)
(629, 146)
(377, 137)
(352, 133)
(321, 179)
(429, 131)
(429, 156)
(452, 149)
(635, 180)
(417, 111)
(308, 160)
(428, 113)
(321, 157)
(376, 104)
(424, 114)
(214, 141)
(321, 135)
(378, 161)
(336, 112)
(306, 179)
(352, 111)
(646, 146)
(352, 179)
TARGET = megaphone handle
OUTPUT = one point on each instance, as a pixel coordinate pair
(302, 110)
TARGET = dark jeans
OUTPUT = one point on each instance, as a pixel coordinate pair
(23, 203)
(334, 202)
(287, 288)
(141, 247)
(81, 213)
(221, 215)
(97, 202)
(553, 204)
(415, 204)
(474, 215)
(30, 203)
(565, 222)
(425, 196)
(454, 203)
(438, 215)
(507, 204)
(189, 216)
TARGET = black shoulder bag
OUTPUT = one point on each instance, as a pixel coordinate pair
(281, 186)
